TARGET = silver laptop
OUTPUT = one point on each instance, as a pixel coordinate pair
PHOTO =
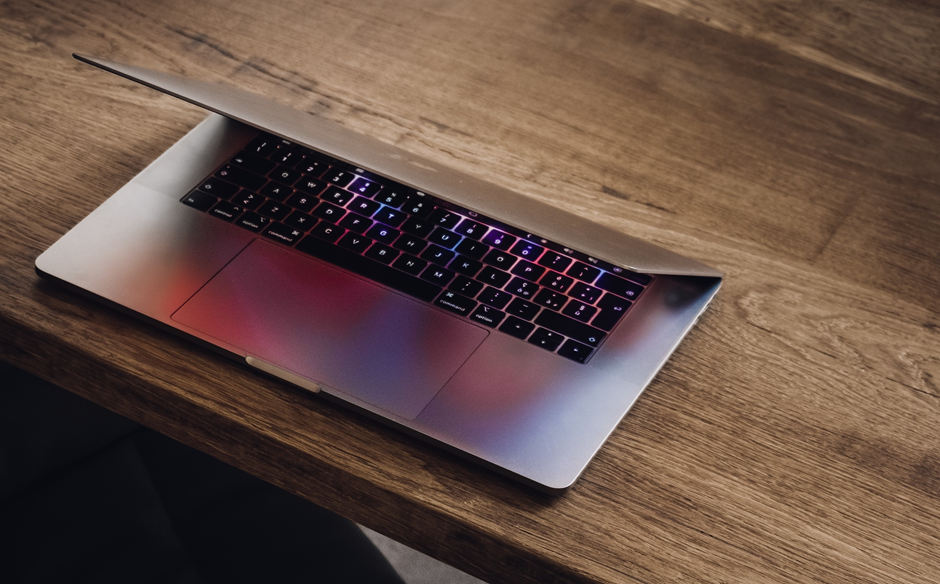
(483, 320)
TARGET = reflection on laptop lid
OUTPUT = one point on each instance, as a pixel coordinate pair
(488, 322)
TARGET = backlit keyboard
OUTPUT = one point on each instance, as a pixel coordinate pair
(493, 274)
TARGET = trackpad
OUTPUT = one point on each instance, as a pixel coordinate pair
(333, 328)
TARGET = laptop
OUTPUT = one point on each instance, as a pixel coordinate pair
(490, 323)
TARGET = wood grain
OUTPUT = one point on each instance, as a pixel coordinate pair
(892, 44)
(792, 437)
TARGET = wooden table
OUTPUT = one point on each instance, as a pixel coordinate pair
(793, 437)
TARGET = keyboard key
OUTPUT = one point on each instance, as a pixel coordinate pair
(585, 293)
(339, 178)
(583, 272)
(327, 231)
(329, 212)
(619, 286)
(311, 186)
(241, 177)
(606, 320)
(465, 266)
(390, 217)
(579, 310)
(418, 226)
(354, 242)
(454, 302)
(363, 206)
(276, 191)
(252, 221)
(527, 250)
(444, 238)
(522, 288)
(528, 270)
(282, 233)
(438, 255)
(410, 264)
(247, 199)
(546, 339)
(394, 196)
(336, 196)
(218, 187)
(300, 221)
(444, 218)
(285, 175)
(363, 266)
(523, 309)
(500, 259)
(517, 327)
(472, 249)
(613, 302)
(436, 275)
(555, 261)
(382, 253)
(493, 277)
(302, 201)
(575, 351)
(285, 154)
(612, 309)
(383, 233)
(499, 239)
(487, 315)
(471, 229)
(253, 163)
(494, 297)
(365, 187)
(410, 244)
(312, 167)
(466, 286)
(263, 145)
(200, 200)
(355, 222)
(556, 281)
(418, 206)
(550, 299)
(225, 210)
(274, 210)
(569, 327)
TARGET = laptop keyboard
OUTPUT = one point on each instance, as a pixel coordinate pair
(490, 273)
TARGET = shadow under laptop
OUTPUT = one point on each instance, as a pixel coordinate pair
(89, 496)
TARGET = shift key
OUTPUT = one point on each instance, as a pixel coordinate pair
(570, 328)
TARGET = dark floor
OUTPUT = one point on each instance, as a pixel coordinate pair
(88, 496)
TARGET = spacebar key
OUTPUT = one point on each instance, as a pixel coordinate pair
(570, 328)
(370, 269)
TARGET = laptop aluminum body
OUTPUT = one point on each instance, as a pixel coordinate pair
(499, 400)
